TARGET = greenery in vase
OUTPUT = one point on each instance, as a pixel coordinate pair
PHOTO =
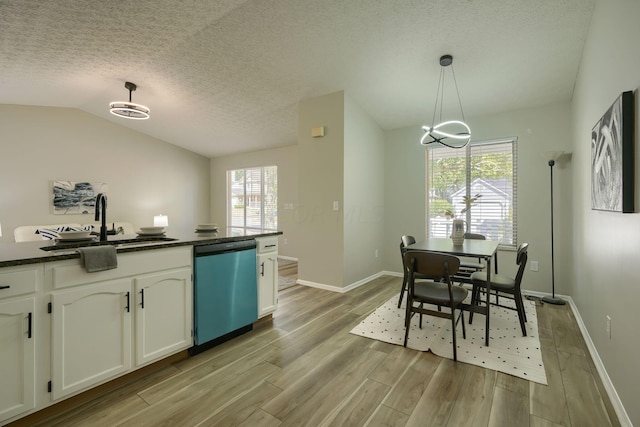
(468, 202)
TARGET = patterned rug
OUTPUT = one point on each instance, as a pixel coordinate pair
(508, 350)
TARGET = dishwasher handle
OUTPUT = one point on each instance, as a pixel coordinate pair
(219, 248)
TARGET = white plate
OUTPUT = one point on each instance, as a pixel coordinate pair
(207, 227)
(79, 240)
(147, 233)
(154, 230)
(65, 235)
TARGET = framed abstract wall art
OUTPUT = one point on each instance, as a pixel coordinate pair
(75, 197)
(612, 158)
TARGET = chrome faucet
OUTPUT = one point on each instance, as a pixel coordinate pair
(101, 205)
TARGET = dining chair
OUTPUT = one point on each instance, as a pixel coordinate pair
(503, 286)
(405, 241)
(440, 294)
(467, 266)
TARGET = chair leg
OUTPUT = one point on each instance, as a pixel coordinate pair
(407, 320)
(402, 290)
(453, 334)
(520, 310)
(475, 294)
(464, 331)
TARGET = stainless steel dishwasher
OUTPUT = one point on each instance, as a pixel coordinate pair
(225, 292)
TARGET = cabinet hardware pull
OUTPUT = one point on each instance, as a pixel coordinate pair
(262, 271)
(30, 324)
(5, 286)
(127, 307)
(142, 298)
(269, 246)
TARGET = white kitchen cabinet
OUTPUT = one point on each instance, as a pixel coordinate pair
(18, 338)
(108, 323)
(91, 335)
(164, 313)
(17, 357)
(267, 263)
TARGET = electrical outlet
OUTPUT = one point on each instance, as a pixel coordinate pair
(534, 265)
(336, 205)
(609, 326)
(285, 241)
(376, 253)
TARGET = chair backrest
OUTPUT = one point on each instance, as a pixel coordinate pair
(474, 236)
(407, 240)
(404, 242)
(521, 260)
(431, 263)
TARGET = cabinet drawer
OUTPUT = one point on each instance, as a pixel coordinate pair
(267, 244)
(18, 281)
(68, 273)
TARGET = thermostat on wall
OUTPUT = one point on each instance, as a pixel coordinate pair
(317, 132)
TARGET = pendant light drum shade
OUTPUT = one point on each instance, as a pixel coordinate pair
(129, 110)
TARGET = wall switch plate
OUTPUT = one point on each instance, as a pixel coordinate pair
(534, 265)
(336, 205)
(609, 326)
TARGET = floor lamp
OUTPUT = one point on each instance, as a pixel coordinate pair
(553, 156)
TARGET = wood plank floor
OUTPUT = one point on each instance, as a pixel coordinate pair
(303, 368)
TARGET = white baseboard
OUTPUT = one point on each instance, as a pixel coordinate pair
(338, 289)
(623, 417)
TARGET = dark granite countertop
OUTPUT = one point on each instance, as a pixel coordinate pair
(31, 253)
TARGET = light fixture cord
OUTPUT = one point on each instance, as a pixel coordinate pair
(440, 97)
(455, 82)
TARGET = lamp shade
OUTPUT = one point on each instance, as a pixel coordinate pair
(161, 221)
(553, 155)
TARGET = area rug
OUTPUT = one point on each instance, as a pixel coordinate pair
(508, 350)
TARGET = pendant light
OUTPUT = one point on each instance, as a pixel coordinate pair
(129, 110)
(450, 133)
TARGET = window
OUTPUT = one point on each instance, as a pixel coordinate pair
(252, 198)
(487, 168)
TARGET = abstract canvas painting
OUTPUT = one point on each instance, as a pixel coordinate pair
(612, 164)
(76, 197)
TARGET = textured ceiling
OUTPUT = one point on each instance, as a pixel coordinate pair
(225, 76)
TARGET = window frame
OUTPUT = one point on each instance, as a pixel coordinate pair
(250, 171)
(468, 155)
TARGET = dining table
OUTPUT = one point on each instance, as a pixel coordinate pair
(473, 248)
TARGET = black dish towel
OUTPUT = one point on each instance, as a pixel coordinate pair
(98, 258)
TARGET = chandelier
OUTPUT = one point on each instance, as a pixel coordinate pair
(450, 133)
(129, 110)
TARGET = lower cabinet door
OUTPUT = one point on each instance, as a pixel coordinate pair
(164, 314)
(17, 358)
(267, 283)
(91, 335)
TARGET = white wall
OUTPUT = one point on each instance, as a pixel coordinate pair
(320, 183)
(607, 245)
(145, 176)
(363, 194)
(286, 159)
(538, 130)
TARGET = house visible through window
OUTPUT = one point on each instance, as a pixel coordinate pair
(487, 168)
(252, 198)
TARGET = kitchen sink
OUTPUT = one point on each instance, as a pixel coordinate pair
(69, 247)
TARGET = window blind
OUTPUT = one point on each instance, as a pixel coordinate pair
(252, 197)
(487, 168)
